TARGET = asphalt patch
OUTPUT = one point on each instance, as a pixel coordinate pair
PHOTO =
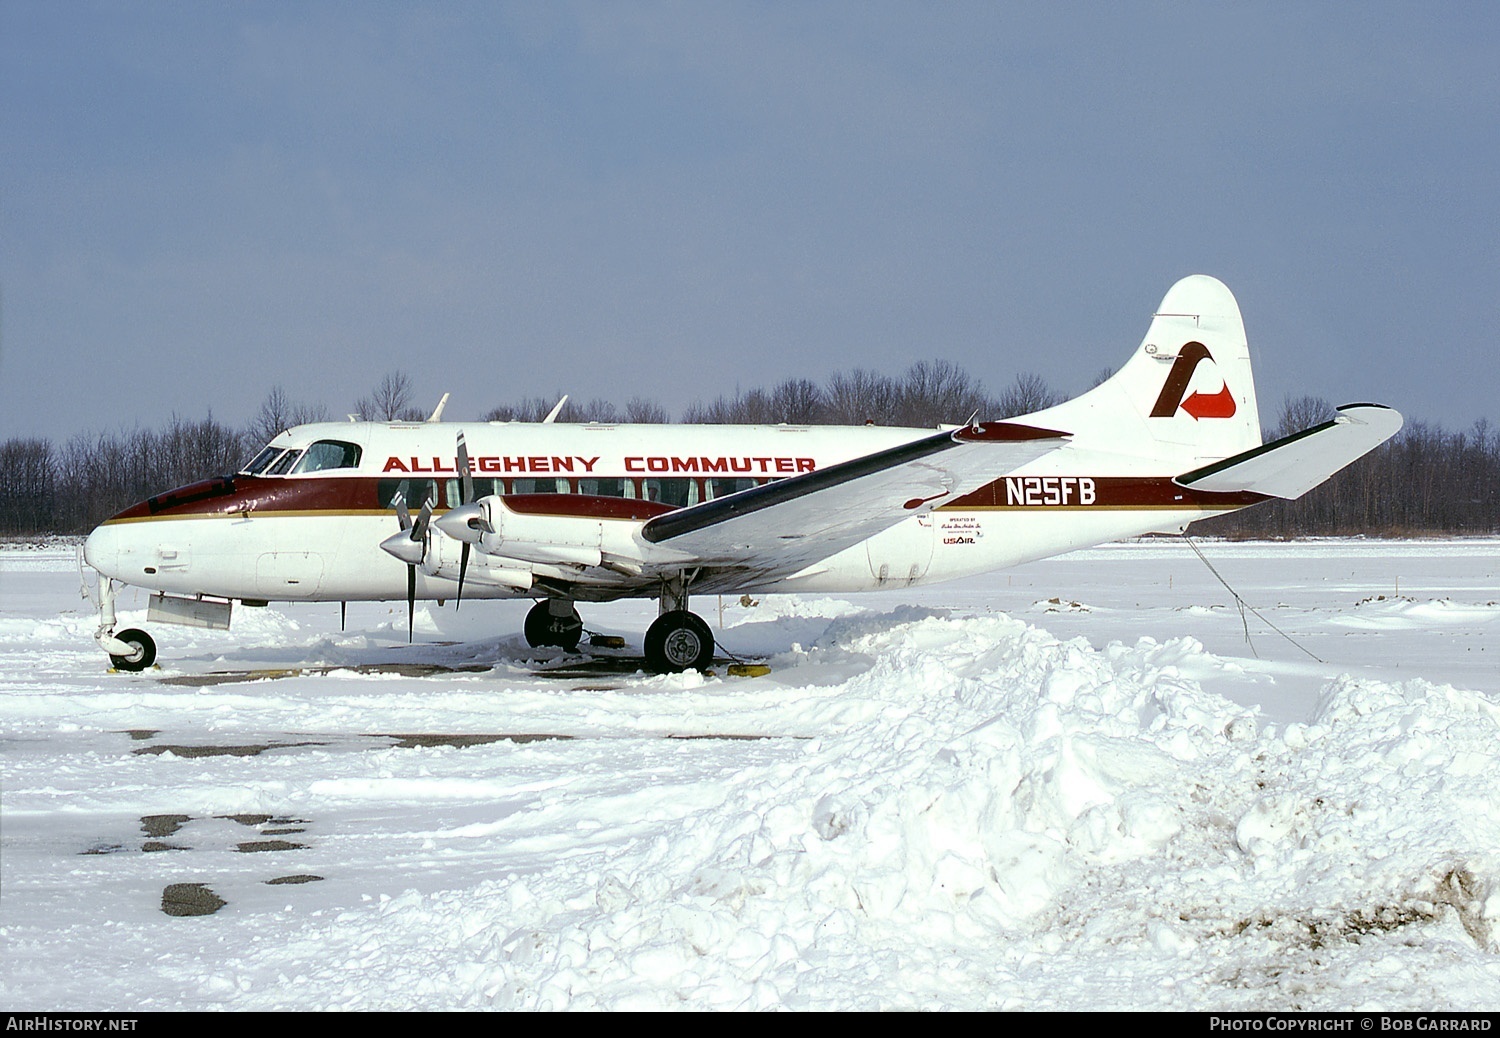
(190, 899)
(252, 750)
(415, 741)
(405, 670)
(158, 826)
(260, 846)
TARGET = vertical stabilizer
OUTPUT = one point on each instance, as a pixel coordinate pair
(1187, 393)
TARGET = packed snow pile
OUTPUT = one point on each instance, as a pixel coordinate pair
(922, 807)
(1002, 811)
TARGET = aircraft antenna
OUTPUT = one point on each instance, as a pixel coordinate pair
(552, 415)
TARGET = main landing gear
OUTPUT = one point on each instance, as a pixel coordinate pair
(554, 622)
(676, 641)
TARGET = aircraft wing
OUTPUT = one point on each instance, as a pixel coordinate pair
(1293, 465)
(783, 527)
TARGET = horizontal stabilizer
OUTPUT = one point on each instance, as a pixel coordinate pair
(1293, 465)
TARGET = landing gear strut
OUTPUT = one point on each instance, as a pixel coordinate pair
(554, 622)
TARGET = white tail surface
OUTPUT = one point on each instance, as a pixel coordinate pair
(1293, 465)
(1185, 397)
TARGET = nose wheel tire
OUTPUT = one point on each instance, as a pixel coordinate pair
(144, 653)
(679, 641)
(543, 628)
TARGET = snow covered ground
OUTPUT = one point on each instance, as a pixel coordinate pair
(1069, 786)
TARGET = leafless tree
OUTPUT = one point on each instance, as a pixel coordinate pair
(27, 487)
(861, 396)
(1028, 394)
(390, 402)
(753, 408)
(1303, 412)
(938, 392)
(640, 411)
(798, 401)
(277, 413)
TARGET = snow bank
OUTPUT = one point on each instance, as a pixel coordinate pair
(1012, 809)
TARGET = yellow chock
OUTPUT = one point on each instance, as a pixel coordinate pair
(607, 641)
(748, 670)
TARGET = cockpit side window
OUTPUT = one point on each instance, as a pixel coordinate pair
(258, 464)
(329, 454)
(284, 463)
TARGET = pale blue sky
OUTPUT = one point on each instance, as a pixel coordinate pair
(201, 200)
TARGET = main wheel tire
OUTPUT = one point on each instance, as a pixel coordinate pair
(542, 628)
(144, 654)
(679, 641)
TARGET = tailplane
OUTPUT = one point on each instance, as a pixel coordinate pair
(1293, 465)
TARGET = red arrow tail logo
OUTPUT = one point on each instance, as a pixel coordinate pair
(1202, 405)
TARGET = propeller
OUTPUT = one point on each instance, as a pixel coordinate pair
(410, 546)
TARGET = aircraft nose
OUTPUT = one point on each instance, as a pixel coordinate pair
(102, 550)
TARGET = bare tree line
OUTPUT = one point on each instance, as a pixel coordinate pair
(1425, 481)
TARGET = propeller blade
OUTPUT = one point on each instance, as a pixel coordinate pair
(466, 479)
(463, 567)
(411, 601)
(402, 515)
(419, 528)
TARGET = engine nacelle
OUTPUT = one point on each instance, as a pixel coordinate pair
(568, 540)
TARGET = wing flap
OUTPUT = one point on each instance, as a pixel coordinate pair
(1293, 465)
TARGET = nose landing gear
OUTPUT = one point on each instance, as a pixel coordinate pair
(132, 649)
(142, 650)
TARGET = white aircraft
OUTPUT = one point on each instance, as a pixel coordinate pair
(590, 513)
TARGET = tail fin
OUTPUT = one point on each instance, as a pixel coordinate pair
(1186, 396)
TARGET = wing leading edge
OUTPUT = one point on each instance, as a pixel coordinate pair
(782, 527)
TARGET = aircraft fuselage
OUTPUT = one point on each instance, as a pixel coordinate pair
(315, 535)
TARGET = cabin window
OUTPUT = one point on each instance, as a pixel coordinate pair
(329, 454)
(607, 487)
(482, 488)
(725, 487)
(678, 492)
(413, 491)
(540, 486)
